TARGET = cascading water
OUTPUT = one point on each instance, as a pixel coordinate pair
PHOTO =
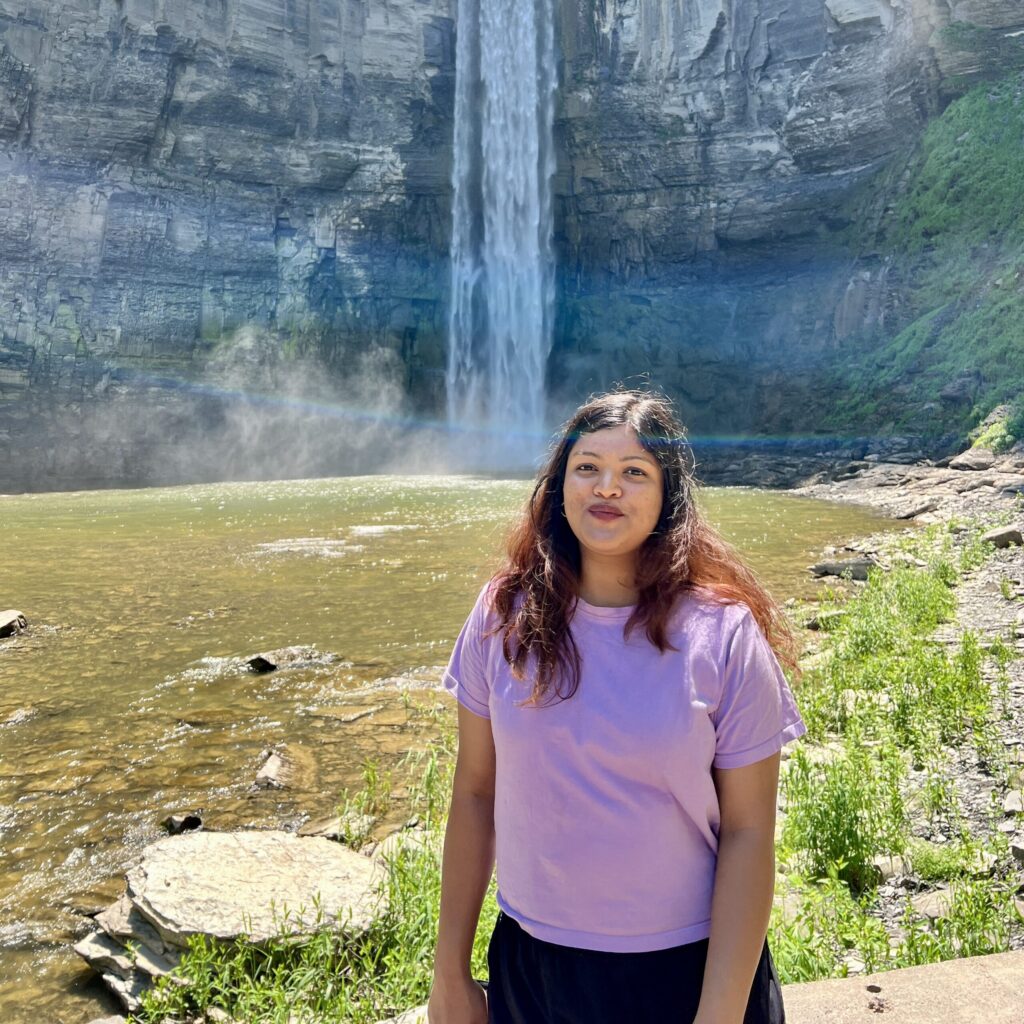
(502, 258)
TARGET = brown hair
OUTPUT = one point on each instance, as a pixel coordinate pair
(534, 593)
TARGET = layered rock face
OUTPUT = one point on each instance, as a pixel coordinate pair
(173, 172)
(224, 224)
(714, 155)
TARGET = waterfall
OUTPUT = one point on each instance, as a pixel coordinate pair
(502, 285)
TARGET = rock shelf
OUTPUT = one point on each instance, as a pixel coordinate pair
(226, 885)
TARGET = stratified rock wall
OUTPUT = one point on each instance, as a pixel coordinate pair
(174, 170)
(214, 205)
(713, 152)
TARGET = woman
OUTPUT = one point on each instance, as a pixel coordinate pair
(621, 713)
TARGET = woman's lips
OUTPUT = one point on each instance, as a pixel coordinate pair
(606, 515)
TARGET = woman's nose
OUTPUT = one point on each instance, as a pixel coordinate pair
(606, 484)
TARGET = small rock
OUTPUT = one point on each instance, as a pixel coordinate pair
(889, 866)
(824, 619)
(1017, 849)
(983, 864)
(1012, 486)
(933, 904)
(175, 824)
(857, 567)
(408, 838)
(288, 657)
(275, 773)
(12, 622)
(104, 953)
(1004, 536)
(350, 827)
(929, 505)
(854, 964)
(1014, 803)
(973, 458)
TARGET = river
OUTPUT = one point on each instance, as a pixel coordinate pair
(129, 698)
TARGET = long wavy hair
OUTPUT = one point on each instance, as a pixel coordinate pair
(534, 592)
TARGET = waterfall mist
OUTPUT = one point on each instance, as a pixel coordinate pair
(502, 285)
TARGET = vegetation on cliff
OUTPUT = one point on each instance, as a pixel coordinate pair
(950, 243)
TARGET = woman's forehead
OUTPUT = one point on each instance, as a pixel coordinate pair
(620, 441)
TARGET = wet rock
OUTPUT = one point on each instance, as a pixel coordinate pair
(12, 622)
(973, 458)
(287, 657)
(288, 766)
(275, 773)
(175, 824)
(1004, 536)
(856, 567)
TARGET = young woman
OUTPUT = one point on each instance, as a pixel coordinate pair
(621, 713)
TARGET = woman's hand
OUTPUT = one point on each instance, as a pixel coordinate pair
(457, 1002)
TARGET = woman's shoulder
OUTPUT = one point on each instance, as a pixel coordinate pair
(703, 609)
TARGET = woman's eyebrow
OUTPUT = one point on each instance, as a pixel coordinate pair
(625, 458)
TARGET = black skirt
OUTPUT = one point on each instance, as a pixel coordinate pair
(537, 982)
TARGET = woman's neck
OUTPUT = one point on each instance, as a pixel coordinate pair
(608, 583)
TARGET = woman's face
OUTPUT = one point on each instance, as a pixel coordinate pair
(612, 492)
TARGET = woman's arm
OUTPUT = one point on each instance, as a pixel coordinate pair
(744, 884)
(465, 871)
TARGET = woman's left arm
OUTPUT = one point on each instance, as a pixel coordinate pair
(744, 885)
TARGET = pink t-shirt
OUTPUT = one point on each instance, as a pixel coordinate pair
(605, 814)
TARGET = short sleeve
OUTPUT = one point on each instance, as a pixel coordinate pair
(465, 676)
(756, 714)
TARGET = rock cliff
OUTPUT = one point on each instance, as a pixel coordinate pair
(173, 172)
(243, 205)
(715, 154)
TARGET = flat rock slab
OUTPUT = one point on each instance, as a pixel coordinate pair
(973, 990)
(233, 884)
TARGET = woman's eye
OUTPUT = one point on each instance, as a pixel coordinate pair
(636, 470)
(583, 466)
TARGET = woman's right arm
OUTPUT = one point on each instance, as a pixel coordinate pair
(465, 872)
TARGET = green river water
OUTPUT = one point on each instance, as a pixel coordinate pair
(129, 699)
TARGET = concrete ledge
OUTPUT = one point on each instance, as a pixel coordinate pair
(975, 990)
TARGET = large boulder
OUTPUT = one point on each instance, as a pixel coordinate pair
(227, 885)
